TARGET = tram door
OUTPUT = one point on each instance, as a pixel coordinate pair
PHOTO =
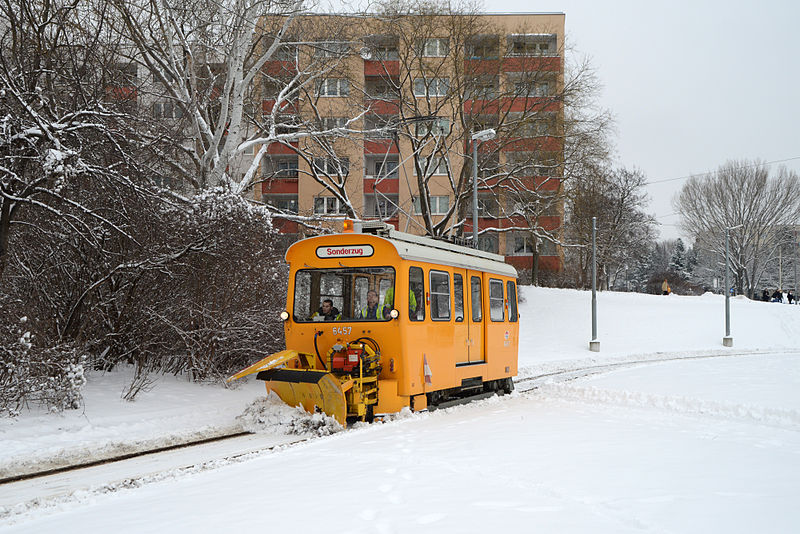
(475, 317)
(461, 328)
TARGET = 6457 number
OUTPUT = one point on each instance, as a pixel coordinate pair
(342, 330)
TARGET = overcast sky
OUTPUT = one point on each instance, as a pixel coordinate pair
(692, 84)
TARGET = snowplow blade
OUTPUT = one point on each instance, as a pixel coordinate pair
(309, 389)
(270, 362)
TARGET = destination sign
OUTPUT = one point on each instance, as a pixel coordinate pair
(348, 251)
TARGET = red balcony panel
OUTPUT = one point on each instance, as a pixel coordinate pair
(279, 185)
(545, 144)
(380, 146)
(528, 64)
(549, 222)
(383, 107)
(482, 66)
(116, 92)
(383, 68)
(481, 107)
(280, 148)
(279, 69)
(386, 186)
(538, 104)
(550, 263)
(284, 226)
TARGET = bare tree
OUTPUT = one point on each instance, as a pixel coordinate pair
(64, 120)
(749, 198)
(625, 234)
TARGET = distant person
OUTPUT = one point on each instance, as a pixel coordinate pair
(789, 296)
(777, 296)
(665, 289)
(765, 295)
(326, 312)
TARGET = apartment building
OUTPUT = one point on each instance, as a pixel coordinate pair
(398, 105)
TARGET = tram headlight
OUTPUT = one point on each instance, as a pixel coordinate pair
(394, 314)
(284, 315)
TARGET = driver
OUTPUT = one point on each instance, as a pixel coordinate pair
(327, 312)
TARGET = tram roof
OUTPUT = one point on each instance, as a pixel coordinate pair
(419, 248)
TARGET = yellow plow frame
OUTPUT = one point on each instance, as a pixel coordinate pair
(337, 395)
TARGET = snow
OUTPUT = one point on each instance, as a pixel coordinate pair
(679, 435)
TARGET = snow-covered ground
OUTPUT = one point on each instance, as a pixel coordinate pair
(705, 444)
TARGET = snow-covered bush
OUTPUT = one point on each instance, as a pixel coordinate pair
(51, 377)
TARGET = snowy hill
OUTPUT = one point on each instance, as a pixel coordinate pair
(648, 431)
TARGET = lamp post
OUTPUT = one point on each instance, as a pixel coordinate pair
(727, 341)
(483, 135)
(594, 344)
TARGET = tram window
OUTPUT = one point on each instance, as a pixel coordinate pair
(458, 297)
(512, 301)
(440, 296)
(346, 287)
(496, 300)
(360, 288)
(416, 282)
(477, 301)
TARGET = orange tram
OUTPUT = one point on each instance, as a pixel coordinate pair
(377, 320)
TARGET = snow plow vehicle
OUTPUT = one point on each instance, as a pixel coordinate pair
(378, 320)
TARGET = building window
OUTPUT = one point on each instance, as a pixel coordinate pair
(331, 48)
(437, 127)
(381, 167)
(285, 52)
(483, 47)
(547, 248)
(431, 86)
(488, 205)
(433, 47)
(432, 165)
(332, 166)
(488, 243)
(331, 123)
(167, 110)
(333, 87)
(327, 206)
(483, 88)
(385, 206)
(519, 244)
(385, 53)
(536, 44)
(277, 167)
(282, 203)
(439, 205)
(377, 126)
(381, 89)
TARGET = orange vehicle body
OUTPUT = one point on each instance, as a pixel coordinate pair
(455, 326)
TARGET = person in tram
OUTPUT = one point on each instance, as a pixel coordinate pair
(326, 312)
(388, 302)
(373, 310)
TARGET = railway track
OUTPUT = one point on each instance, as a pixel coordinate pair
(132, 469)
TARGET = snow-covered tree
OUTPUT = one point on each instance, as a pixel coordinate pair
(678, 260)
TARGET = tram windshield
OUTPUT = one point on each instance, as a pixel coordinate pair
(344, 294)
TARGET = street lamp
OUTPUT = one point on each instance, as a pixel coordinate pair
(727, 341)
(483, 135)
